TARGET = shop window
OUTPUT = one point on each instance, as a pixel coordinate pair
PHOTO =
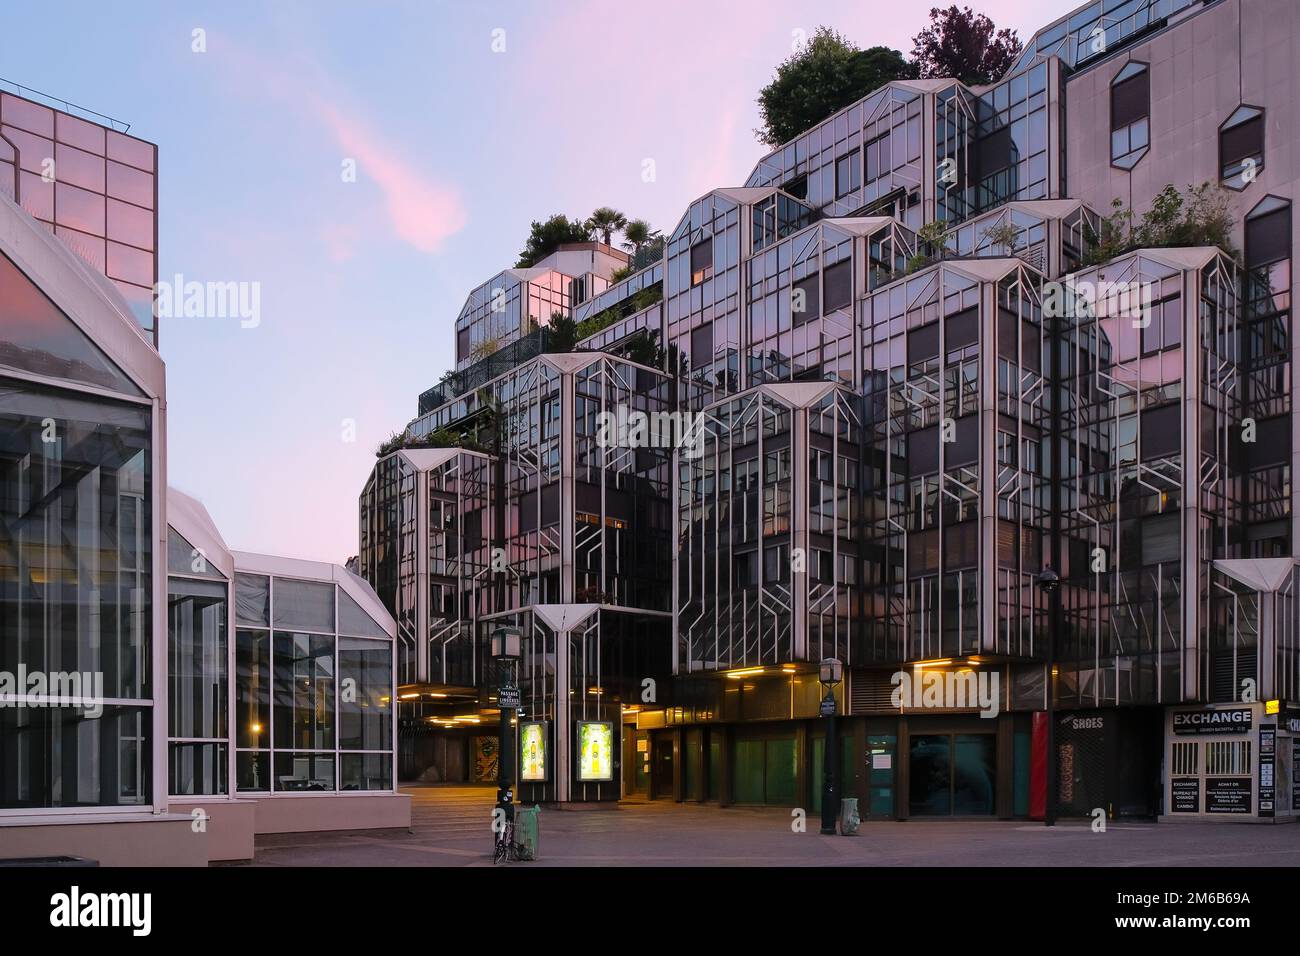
(1241, 147)
(1130, 115)
(701, 261)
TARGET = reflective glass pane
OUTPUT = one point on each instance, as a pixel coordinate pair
(71, 757)
(930, 777)
(253, 688)
(35, 336)
(354, 620)
(305, 604)
(196, 660)
(194, 769)
(184, 558)
(973, 779)
(304, 691)
(253, 770)
(76, 533)
(304, 771)
(252, 599)
(365, 694)
(366, 772)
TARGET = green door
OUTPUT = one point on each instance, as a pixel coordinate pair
(747, 782)
(765, 771)
(781, 774)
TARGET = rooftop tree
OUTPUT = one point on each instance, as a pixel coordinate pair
(826, 75)
(545, 237)
(637, 234)
(606, 221)
(964, 44)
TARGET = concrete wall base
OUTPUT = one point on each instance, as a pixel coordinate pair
(336, 811)
(229, 824)
(128, 840)
(575, 805)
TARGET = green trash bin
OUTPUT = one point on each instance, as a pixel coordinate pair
(526, 821)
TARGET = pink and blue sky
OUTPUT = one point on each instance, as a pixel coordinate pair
(457, 148)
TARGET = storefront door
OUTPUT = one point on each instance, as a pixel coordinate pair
(663, 766)
(952, 774)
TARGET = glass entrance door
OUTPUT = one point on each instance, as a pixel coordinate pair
(952, 775)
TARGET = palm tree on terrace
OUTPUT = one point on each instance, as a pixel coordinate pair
(606, 221)
(637, 234)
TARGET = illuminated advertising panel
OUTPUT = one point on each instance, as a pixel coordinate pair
(534, 752)
(595, 751)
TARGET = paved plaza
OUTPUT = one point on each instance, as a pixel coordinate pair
(450, 826)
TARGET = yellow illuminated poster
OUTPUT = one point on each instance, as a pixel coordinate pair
(595, 750)
(533, 758)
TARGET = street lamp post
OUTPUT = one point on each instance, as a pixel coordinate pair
(505, 651)
(830, 673)
(1051, 585)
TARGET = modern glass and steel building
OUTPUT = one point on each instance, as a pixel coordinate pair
(894, 436)
(161, 697)
(86, 179)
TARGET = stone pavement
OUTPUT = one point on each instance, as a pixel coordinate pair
(451, 826)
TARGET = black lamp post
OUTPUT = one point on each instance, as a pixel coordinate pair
(829, 674)
(505, 651)
(1050, 582)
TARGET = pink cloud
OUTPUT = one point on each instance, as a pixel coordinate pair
(422, 211)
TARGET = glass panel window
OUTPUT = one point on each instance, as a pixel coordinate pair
(848, 174)
(1130, 111)
(303, 604)
(184, 558)
(196, 768)
(304, 771)
(353, 620)
(804, 299)
(196, 659)
(365, 772)
(75, 597)
(69, 756)
(252, 599)
(701, 261)
(253, 771)
(304, 691)
(37, 337)
(365, 701)
(1241, 147)
(253, 689)
(838, 285)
